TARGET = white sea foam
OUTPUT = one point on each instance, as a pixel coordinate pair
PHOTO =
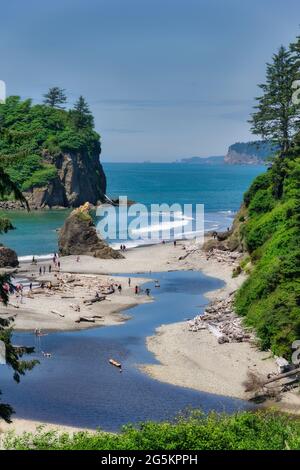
(28, 258)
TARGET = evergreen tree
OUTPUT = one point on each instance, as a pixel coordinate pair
(12, 354)
(275, 115)
(81, 114)
(55, 97)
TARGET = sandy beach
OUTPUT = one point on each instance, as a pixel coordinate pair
(193, 360)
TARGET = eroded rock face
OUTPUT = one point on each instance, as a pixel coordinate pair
(8, 257)
(80, 178)
(78, 236)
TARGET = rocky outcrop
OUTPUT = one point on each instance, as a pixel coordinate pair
(80, 178)
(8, 257)
(78, 236)
(250, 153)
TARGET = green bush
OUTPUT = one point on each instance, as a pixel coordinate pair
(270, 297)
(241, 431)
(262, 181)
(40, 177)
(262, 201)
(32, 136)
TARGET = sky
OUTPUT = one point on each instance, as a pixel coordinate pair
(165, 79)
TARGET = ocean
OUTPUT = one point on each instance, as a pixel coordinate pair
(219, 187)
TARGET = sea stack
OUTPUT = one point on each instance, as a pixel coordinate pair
(78, 236)
(8, 257)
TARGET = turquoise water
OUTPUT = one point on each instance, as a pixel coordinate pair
(219, 187)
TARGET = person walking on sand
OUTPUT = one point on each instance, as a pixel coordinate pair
(40, 270)
(30, 287)
(58, 264)
(50, 268)
(136, 290)
(129, 282)
(119, 288)
(44, 269)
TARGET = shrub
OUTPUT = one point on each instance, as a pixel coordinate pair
(241, 431)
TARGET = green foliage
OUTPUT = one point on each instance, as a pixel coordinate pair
(12, 355)
(81, 114)
(242, 431)
(33, 136)
(275, 113)
(270, 298)
(262, 181)
(55, 97)
(263, 201)
(40, 177)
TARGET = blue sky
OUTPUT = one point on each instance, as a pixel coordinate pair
(165, 79)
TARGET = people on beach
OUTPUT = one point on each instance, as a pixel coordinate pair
(58, 264)
(174, 243)
(44, 269)
(147, 292)
(122, 247)
(120, 288)
(136, 290)
(78, 259)
(40, 270)
(129, 282)
(30, 287)
(50, 268)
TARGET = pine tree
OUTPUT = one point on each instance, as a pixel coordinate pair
(275, 115)
(81, 114)
(55, 97)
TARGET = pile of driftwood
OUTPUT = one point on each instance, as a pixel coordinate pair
(220, 319)
(274, 385)
(89, 288)
(228, 257)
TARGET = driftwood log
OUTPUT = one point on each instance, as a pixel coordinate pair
(87, 319)
(94, 299)
(56, 312)
(291, 373)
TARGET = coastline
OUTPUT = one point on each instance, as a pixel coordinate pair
(187, 359)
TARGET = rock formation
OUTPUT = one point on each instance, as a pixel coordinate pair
(78, 236)
(80, 178)
(250, 153)
(8, 257)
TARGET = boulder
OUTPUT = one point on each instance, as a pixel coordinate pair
(78, 236)
(8, 257)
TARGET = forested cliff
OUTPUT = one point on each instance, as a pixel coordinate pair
(51, 154)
